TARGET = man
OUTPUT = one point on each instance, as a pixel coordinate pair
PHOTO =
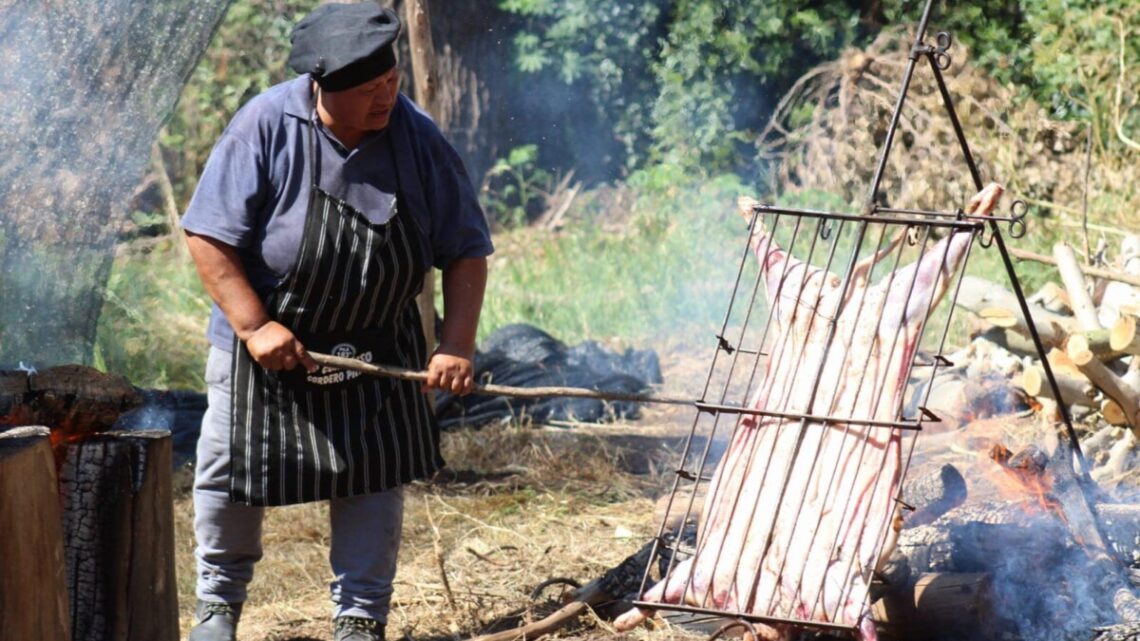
(319, 211)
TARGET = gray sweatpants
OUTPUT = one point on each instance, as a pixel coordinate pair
(365, 530)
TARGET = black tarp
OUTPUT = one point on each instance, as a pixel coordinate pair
(525, 356)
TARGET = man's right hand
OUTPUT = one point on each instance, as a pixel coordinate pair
(275, 348)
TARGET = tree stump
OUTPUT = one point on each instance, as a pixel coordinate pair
(119, 533)
(33, 595)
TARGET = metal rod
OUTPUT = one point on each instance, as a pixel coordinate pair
(823, 625)
(389, 371)
(814, 418)
(1014, 282)
(962, 222)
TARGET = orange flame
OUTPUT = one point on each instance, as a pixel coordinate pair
(1026, 475)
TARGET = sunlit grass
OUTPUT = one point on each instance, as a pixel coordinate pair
(153, 326)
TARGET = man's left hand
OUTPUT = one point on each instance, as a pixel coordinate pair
(450, 372)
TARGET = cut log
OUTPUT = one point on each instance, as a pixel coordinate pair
(1052, 297)
(1112, 413)
(934, 494)
(1108, 382)
(1083, 308)
(939, 605)
(33, 592)
(1124, 337)
(1074, 391)
(119, 537)
(979, 296)
(1097, 342)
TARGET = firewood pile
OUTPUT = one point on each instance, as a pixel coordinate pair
(1088, 325)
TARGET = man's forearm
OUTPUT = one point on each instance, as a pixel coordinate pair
(463, 284)
(224, 278)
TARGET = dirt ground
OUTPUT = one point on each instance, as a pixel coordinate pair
(517, 505)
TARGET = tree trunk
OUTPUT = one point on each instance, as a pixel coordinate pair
(417, 15)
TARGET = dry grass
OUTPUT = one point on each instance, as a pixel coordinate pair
(517, 506)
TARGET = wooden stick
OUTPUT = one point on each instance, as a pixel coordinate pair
(1108, 382)
(388, 371)
(1106, 274)
(417, 15)
(1075, 391)
(1074, 281)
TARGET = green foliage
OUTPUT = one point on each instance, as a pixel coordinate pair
(247, 56)
(604, 52)
(666, 275)
(722, 63)
(514, 187)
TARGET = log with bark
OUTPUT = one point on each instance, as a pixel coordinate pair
(118, 524)
(940, 605)
(33, 590)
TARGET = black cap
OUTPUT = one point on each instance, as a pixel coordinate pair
(344, 45)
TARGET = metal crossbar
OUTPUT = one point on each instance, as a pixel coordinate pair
(798, 507)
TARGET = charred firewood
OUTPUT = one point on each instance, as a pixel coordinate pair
(940, 606)
(1121, 632)
(73, 400)
(933, 494)
(118, 532)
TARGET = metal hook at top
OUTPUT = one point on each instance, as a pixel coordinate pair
(986, 236)
(940, 53)
(825, 230)
(1018, 210)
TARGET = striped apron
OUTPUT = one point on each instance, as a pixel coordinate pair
(300, 437)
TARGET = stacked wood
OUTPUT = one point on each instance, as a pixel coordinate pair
(1089, 321)
(33, 593)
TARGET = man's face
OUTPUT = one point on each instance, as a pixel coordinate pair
(365, 107)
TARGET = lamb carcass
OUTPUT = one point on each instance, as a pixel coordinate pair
(799, 512)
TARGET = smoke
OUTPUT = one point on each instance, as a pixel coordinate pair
(84, 90)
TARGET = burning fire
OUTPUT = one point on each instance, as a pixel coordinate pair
(1026, 474)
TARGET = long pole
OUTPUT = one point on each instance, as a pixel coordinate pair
(389, 371)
